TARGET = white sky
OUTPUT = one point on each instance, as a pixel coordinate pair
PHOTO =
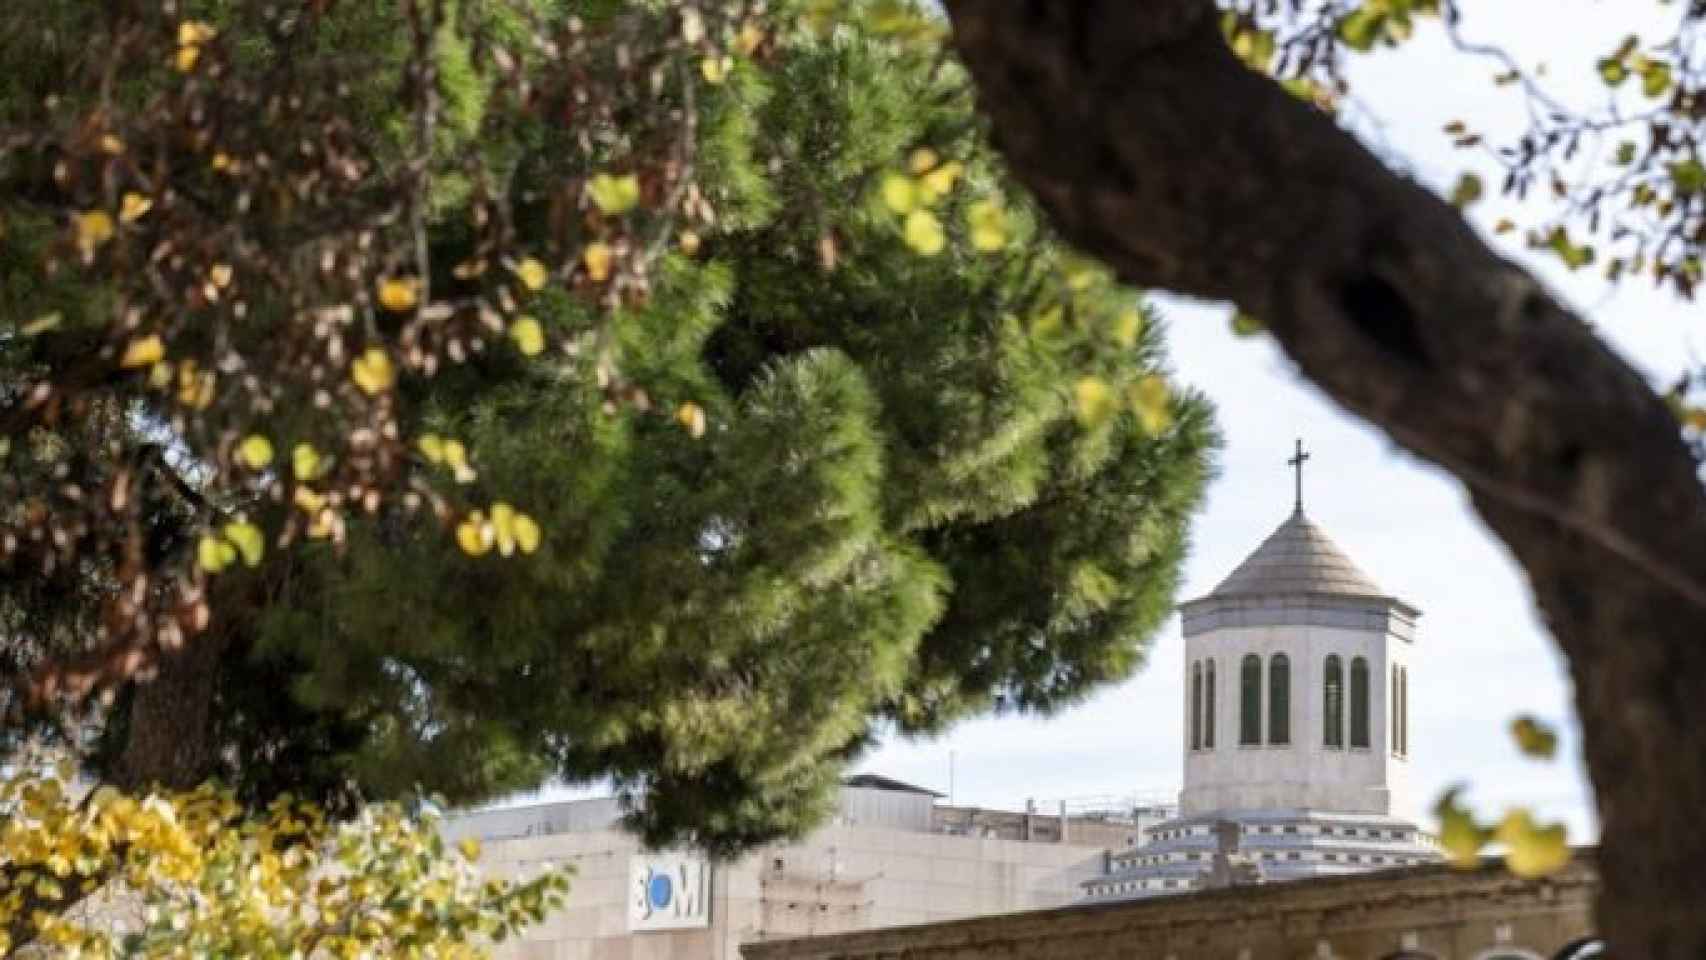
(1483, 657)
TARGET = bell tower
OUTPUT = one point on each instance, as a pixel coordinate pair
(1297, 706)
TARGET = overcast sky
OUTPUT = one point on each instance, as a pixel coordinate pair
(1482, 654)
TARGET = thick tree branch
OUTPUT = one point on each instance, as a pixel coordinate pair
(1188, 172)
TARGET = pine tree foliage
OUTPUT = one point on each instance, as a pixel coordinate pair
(872, 453)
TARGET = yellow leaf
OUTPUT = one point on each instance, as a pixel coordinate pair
(214, 554)
(474, 535)
(503, 527)
(936, 184)
(195, 386)
(899, 193)
(987, 223)
(1245, 325)
(598, 257)
(470, 848)
(1532, 850)
(398, 294)
(691, 416)
(195, 32)
(324, 524)
(310, 501)
(528, 335)
(304, 461)
(186, 58)
(255, 452)
(133, 206)
(531, 273)
(432, 447)
(614, 194)
(1459, 835)
(1092, 401)
(248, 540)
(922, 160)
(689, 242)
(526, 532)
(111, 144)
(749, 39)
(715, 69)
(372, 371)
(160, 376)
(220, 275)
(1148, 398)
(1129, 327)
(42, 324)
(143, 352)
(221, 161)
(924, 233)
(94, 228)
(1533, 737)
(455, 454)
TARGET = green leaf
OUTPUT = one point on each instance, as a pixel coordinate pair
(1362, 28)
(1613, 71)
(1534, 737)
(1468, 190)
(1656, 80)
(1689, 176)
(615, 195)
(1245, 325)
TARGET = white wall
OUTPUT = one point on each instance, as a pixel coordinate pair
(838, 879)
(1305, 774)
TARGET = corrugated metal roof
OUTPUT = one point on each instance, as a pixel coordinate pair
(1298, 559)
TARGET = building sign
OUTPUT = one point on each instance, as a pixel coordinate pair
(668, 891)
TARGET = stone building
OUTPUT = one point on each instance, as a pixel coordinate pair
(1297, 746)
(892, 855)
(1415, 913)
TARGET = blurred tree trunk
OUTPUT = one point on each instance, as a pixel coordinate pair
(1191, 173)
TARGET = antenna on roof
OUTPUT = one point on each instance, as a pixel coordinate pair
(1296, 463)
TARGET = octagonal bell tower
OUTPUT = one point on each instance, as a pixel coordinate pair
(1297, 740)
(1297, 678)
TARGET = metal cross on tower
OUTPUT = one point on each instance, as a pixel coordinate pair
(1296, 463)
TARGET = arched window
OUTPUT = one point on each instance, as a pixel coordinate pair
(1404, 710)
(1250, 700)
(1208, 708)
(1359, 702)
(1333, 702)
(1592, 947)
(1196, 706)
(1279, 699)
(1397, 744)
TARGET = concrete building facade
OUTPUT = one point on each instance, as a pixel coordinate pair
(892, 856)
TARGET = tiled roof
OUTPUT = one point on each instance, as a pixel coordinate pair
(1298, 559)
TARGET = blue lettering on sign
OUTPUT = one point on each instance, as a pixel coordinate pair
(659, 891)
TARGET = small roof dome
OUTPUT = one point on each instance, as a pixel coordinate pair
(1295, 560)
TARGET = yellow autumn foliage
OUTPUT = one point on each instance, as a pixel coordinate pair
(217, 881)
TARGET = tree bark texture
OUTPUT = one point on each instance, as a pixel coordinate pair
(1152, 147)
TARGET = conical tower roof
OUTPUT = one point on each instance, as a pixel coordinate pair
(1298, 559)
